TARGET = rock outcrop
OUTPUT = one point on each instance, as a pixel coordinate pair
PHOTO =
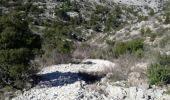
(62, 82)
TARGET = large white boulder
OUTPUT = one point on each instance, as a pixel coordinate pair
(72, 14)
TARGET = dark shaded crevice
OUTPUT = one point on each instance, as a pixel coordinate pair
(90, 78)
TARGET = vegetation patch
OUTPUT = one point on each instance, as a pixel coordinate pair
(135, 46)
(18, 46)
(159, 73)
(57, 44)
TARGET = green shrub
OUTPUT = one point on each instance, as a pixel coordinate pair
(57, 44)
(164, 60)
(167, 18)
(55, 38)
(29, 8)
(151, 13)
(159, 73)
(166, 6)
(142, 18)
(139, 53)
(18, 45)
(95, 20)
(119, 49)
(132, 47)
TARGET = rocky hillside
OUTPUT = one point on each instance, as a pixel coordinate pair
(94, 49)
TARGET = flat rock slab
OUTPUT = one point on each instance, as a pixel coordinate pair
(62, 82)
(98, 66)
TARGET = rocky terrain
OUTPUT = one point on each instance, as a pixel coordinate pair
(98, 49)
(65, 82)
(156, 5)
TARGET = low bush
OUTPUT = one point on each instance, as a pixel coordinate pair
(29, 8)
(151, 13)
(56, 45)
(142, 18)
(159, 73)
(131, 47)
(139, 53)
(167, 18)
(164, 60)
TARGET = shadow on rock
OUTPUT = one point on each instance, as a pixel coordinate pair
(64, 78)
(90, 78)
(58, 78)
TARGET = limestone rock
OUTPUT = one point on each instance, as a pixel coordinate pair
(99, 66)
(72, 14)
(115, 92)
